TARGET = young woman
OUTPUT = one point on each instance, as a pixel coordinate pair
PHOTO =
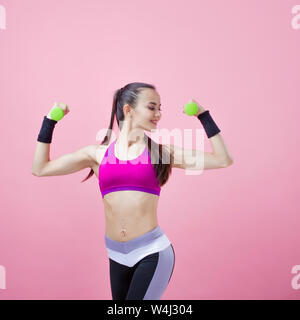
(131, 171)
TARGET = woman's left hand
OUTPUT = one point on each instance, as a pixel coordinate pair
(200, 108)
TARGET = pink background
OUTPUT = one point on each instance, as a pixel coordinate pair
(235, 230)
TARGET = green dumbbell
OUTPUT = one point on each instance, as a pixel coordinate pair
(57, 113)
(191, 108)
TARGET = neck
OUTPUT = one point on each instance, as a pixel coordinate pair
(129, 137)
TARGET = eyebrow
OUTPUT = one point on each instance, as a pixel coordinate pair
(154, 103)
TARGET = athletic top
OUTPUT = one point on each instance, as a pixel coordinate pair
(136, 174)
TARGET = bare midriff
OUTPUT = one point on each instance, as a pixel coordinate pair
(128, 213)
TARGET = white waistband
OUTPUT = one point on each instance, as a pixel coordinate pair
(131, 258)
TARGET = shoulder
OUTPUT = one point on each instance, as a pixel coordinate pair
(96, 151)
(90, 151)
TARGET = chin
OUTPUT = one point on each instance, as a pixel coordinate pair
(152, 128)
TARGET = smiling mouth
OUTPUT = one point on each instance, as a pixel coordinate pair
(155, 122)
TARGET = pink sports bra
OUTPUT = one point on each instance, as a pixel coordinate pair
(136, 174)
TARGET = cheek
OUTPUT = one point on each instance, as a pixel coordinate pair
(146, 116)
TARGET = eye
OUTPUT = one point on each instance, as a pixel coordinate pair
(151, 108)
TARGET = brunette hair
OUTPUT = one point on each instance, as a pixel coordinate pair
(129, 95)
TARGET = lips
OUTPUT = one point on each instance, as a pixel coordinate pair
(154, 121)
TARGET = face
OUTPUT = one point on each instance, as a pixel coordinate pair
(148, 109)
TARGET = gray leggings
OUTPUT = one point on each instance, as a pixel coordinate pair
(141, 268)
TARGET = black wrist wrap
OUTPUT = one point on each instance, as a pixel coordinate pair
(46, 131)
(208, 123)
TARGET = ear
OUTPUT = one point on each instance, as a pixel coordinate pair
(126, 108)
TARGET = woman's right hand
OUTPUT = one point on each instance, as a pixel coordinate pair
(61, 105)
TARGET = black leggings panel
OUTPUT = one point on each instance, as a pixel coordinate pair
(146, 280)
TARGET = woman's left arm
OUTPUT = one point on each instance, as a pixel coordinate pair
(218, 145)
(194, 159)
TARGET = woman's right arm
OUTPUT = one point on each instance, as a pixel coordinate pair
(66, 164)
